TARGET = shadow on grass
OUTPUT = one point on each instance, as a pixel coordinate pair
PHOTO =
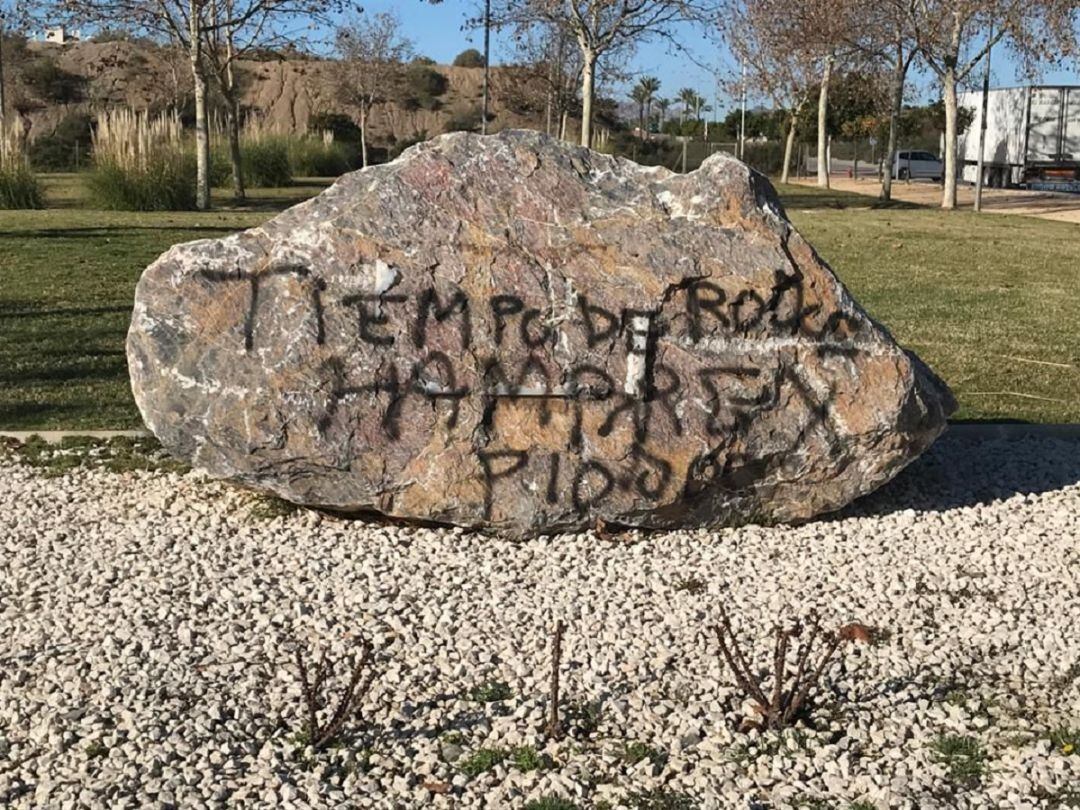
(113, 231)
(65, 312)
(796, 198)
(961, 471)
(270, 205)
(116, 369)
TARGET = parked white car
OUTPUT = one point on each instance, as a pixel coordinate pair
(913, 165)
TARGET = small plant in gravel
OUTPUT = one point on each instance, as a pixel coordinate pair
(269, 507)
(320, 732)
(1058, 799)
(526, 758)
(962, 756)
(739, 753)
(783, 704)
(553, 730)
(1066, 740)
(97, 749)
(636, 752)
(582, 718)
(659, 799)
(482, 760)
(691, 585)
(490, 692)
(551, 803)
(118, 454)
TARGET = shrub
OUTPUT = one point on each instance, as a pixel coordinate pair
(786, 701)
(266, 162)
(220, 167)
(321, 728)
(50, 82)
(400, 146)
(470, 58)
(66, 148)
(311, 156)
(140, 163)
(341, 126)
(18, 186)
(423, 86)
(464, 120)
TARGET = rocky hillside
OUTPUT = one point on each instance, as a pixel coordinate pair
(52, 83)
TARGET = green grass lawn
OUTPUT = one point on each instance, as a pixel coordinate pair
(991, 302)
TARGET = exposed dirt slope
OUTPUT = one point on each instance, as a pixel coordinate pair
(287, 91)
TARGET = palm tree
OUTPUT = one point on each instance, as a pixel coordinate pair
(699, 105)
(640, 95)
(688, 98)
(662, 104)
(705, 108)
(649, 86)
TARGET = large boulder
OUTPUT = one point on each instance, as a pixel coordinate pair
(512, 333)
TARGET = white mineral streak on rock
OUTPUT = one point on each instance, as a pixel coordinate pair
(636, 368)
(385, 277)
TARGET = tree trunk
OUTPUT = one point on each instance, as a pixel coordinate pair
(588, 81)
(822, 126)
(3, 102)
(895, 107)
(789, 147)
(948, 197)
(232, 122)
(202, 131)
(202, 140)
(232, 113)
(363, 135)
(562, 124)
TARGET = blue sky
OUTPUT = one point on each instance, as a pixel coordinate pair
(436, 31)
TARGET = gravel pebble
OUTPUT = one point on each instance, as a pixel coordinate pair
(148, 623)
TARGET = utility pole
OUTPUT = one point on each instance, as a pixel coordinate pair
(487, 63)
(742, 123)
(982, 126)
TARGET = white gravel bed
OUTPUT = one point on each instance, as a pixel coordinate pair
(147, 622)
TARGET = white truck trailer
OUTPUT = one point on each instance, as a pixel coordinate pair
(1032, 138)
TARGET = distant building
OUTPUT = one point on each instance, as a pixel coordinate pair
(60, 35)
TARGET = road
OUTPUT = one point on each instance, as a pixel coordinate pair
(1044, 204)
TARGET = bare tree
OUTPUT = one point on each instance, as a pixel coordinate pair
(825, 27)
(373, 54)
(551, 60)
(231, 37)
(777, 65)
(890, 40)
(815, 34)
(601, 27)
(954, 36)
